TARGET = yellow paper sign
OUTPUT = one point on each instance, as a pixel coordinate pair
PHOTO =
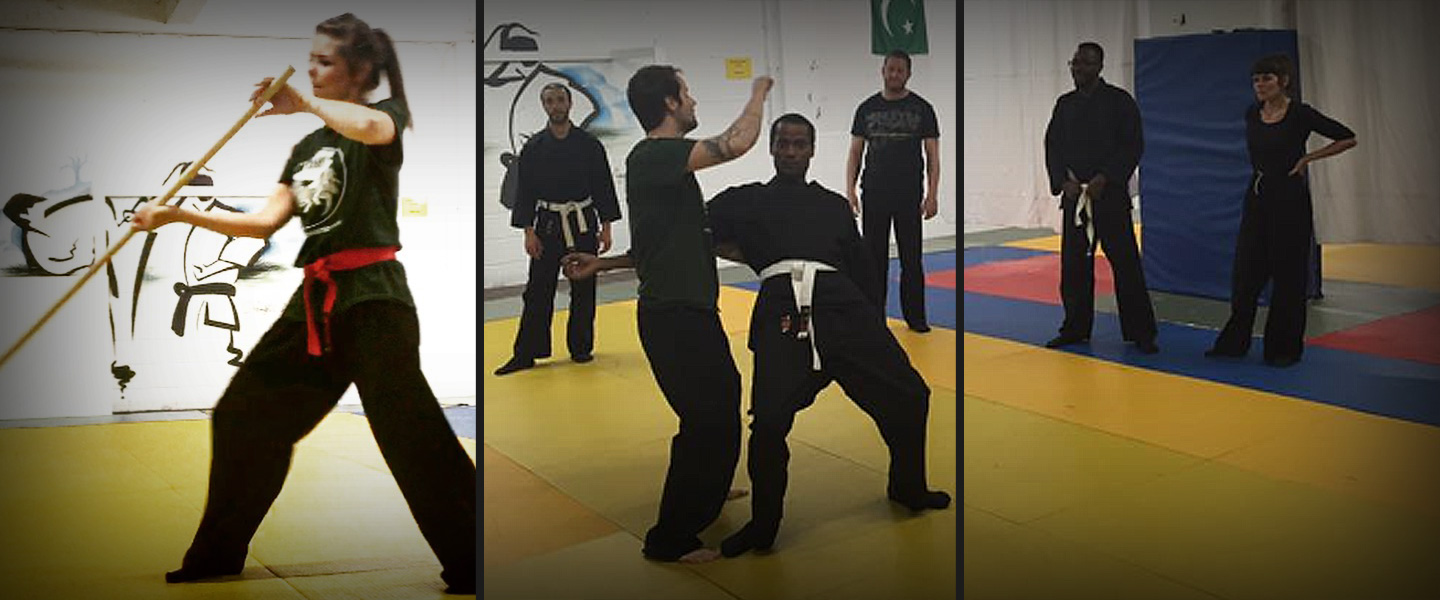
(414, 208)
(737, 68)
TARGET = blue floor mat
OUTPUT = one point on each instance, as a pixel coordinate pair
(1388, 387)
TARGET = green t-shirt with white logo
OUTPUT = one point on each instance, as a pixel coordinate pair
(347, 196)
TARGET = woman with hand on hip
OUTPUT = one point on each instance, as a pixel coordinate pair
(1278, 220)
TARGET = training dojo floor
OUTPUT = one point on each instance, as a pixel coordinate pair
(102, 508)
(574, 458)
(1099, 472)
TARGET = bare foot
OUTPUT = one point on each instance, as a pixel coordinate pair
(702, 555)
(736, 494)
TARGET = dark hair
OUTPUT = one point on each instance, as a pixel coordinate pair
(647, 91)
(1274, 64)
(1094, 47)
(555, 85)
(900, 54)
(793, 119)
(360, 46)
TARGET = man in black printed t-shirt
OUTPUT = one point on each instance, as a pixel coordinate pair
(890, 129)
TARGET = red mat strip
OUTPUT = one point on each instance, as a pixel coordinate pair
(1036, 278)
(941, 279)
(1409, 336)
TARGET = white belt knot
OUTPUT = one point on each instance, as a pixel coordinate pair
(565, 209)
(1085, 218)
(802, 281)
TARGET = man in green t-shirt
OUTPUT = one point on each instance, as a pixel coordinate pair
(678, 314)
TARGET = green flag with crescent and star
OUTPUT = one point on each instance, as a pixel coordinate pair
(898, 25)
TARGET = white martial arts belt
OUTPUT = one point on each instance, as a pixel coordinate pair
(802, 280)
(565, 209)
(1084, 209)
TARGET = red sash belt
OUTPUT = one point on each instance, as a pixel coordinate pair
(320, 270)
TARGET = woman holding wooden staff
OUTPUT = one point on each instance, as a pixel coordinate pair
(352, 321)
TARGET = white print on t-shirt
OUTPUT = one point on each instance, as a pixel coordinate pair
(319, 186)
(887, 126)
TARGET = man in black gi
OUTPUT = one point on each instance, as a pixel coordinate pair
(890, 129)
(1092, 146)
(678, 314)
(818, 319)
(565, 203)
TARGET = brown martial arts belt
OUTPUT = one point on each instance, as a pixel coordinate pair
(802, 280)
(565, 209)
(320, 270)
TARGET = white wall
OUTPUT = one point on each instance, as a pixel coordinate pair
(819, 52)
(1185, 17)
(108, 83)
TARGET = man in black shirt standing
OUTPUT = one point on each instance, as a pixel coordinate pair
(817, 319)
(895, 123)
(1092, 146)
(565, 203)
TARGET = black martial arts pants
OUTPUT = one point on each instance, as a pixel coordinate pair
(882, 209)
(1115, 233)
(689, 354)
(859, 353)
(533, 339)
(281, 393)
(1276, 231)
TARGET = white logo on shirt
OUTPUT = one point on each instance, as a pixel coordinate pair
(319, 186)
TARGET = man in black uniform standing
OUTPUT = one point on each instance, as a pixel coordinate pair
(896, 123)
(817, 319)
(565, 203)
(1092, 146)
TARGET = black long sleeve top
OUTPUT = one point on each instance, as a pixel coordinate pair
(1094, 133)
(781, 220)
(562, 170)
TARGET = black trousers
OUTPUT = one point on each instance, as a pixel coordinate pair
(1116, 234)
(1273, 246)
(533, 339)
(882, 210)
(859, 352)
(281, 393)
(689, 354)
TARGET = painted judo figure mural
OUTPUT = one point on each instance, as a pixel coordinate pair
(62, 232)
(512, 93)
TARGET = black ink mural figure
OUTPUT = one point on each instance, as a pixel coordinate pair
(528, 73)
(57, 228)
(211, 267)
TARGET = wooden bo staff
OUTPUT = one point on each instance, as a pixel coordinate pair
(170, 193)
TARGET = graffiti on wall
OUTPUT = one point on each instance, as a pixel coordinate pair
(188, 277)
(514, 77)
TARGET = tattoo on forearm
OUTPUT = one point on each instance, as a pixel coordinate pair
(720, 145)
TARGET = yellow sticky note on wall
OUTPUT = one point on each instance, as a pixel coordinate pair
(410, 207)
(737, 68)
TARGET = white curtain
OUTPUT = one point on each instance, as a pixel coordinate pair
(1368, 65)
(1015, 68)
(1371, 66)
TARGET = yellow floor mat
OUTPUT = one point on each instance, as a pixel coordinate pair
(1415, 266)
(1376, 458)
(600, 434)
(1089, 478)
(1051, 243)
(102, 511)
